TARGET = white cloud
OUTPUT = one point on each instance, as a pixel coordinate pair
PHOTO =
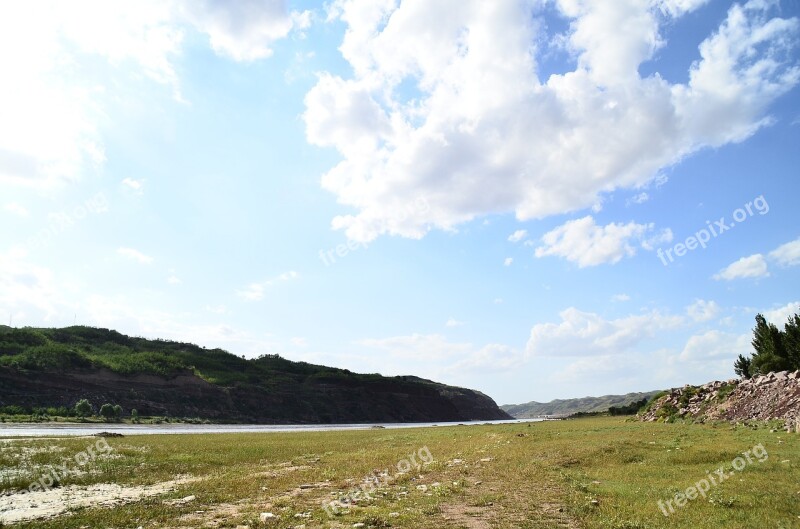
(134, 255)
(418, 346)
(620, 297)
(658, 238)
(246, 29)
(67, 64)
(489, 358)
(26, 287)
(702, 310)
(446, 102)
(255, 291)
(435, 350)
(584, 242)
(17, 209)
(641, 198)
(780, 315)
(136, 186)
(787, 254)
(518, 235)
(174, 280)
(715, 344)
(508, 261)
(452, 322)
(746, 267)
(586, 334)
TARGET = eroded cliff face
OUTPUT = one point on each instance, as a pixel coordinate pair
(766, 397)
(303, 400)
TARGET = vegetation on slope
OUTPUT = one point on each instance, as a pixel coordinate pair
(192, 381)
(564, 407)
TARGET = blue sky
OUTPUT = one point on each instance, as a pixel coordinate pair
(483, 194)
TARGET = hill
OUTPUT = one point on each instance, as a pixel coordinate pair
(563, 407)
(42, 368)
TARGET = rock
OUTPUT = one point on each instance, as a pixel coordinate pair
(268, 517)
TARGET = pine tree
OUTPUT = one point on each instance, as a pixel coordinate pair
(791, 341)
(742, 366)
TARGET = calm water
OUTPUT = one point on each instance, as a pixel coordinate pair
(61, 430)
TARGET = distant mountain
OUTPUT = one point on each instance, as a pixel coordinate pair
(570, 406)
(42, 368)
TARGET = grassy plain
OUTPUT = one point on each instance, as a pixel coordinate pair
(602, 472)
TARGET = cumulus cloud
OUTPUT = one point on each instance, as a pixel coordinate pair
(754, 266)
(780, 315)
(620, 297)
(246, 29)
(452, 322)
(518, 235)
(715, 344)
(787, 254)
(68, 63)
(508, 261)
(582, 241)
(459, 357)
(586, 334)
(136, 186)
(446, 102)
(702, 310)
(134, 255)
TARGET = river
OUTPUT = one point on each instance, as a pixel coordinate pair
(78, 429)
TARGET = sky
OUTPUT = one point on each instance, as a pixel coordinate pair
(537, 199)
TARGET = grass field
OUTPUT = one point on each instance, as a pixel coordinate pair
(589, 473)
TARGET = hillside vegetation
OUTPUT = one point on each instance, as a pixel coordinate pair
(564, 407)
(58, 367)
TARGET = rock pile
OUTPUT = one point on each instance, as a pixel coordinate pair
(766, 397)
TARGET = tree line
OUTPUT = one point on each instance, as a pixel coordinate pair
(774, 349)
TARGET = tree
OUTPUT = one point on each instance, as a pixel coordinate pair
(742, 366)
(107, 411)
(770, 353)
(135, 415)
(117, 411)
(791, 340)
(83, 408)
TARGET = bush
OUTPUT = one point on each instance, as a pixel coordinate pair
(83, 408)
(107, 411)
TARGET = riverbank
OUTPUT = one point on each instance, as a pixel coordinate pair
(604, 473)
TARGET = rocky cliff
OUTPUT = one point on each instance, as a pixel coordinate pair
(765, 397)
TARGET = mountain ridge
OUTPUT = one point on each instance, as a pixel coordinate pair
(564, 407)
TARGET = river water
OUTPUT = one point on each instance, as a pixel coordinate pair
(72, 429)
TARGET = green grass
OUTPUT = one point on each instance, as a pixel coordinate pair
(601, 472)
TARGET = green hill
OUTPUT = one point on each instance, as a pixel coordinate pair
(57, 367)
(562, 407)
